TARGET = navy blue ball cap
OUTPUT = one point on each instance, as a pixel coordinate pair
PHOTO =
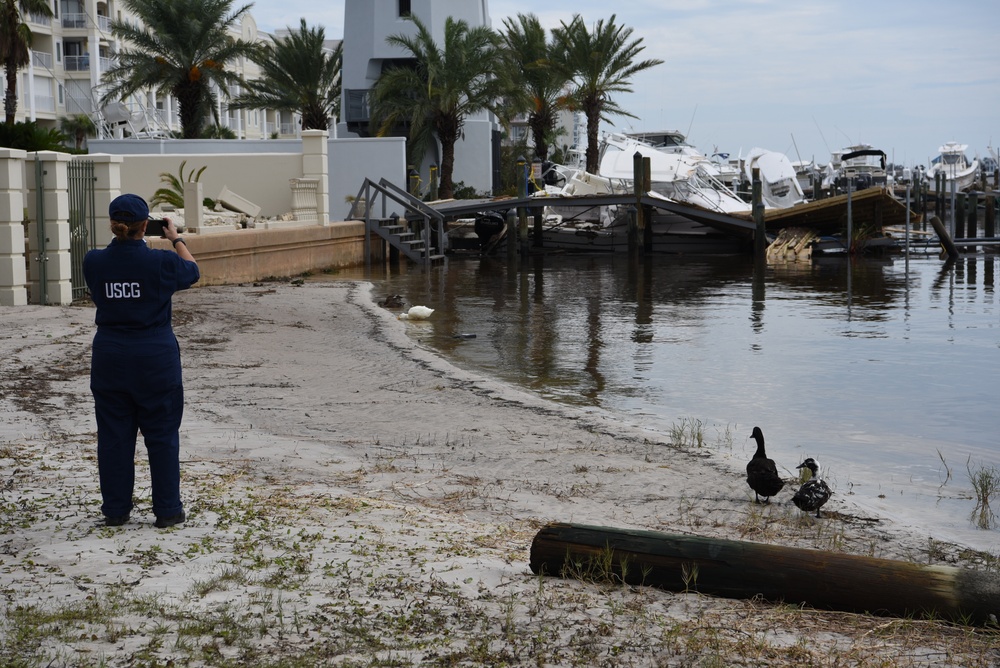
(128, 208)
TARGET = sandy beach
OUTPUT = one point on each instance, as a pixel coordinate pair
(355, 500)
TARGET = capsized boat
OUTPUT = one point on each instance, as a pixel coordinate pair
(953, 165)
(679, 176)
(604, 227)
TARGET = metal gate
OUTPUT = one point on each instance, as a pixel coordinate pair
(41, 258)
(82, 220)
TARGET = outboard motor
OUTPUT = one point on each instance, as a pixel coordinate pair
(488, 227)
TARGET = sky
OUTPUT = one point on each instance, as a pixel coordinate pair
(800, 77)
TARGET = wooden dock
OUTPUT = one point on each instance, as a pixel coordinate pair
(871, 209)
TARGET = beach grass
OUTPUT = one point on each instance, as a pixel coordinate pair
(985, 486)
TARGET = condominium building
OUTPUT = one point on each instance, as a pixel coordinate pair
(71, 51)
(367, 24)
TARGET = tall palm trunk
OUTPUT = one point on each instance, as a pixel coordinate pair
(10, 97)
(448, 128)
(541, 125)
(593, 113)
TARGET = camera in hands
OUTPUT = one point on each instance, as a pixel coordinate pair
(155, 227)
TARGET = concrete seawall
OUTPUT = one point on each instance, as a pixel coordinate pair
(248, 255)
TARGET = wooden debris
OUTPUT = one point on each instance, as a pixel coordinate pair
(793, 244)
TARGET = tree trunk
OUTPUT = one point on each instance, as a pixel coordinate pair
(447, 131)
(593, 112)
(10, 98)
(739, 569)
(540, 125)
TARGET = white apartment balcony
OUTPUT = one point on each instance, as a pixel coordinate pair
(76, 63)
(289, 128)
(45, 103)
(42, 59)
(74, 21)
(76, 104)
(39, 20)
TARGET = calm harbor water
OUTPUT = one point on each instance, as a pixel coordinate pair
(886, 371)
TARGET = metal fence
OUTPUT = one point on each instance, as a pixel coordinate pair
(82, 220)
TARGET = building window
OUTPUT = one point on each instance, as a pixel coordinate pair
(404, 8)
(61, 95)
(58, 52)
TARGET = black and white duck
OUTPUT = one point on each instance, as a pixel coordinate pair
(814, 492)
(762, 474)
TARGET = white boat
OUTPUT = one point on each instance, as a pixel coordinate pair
(861, 165)
(954, 166)
(674, 141)
(680, 176)
(807, 173)
(780, 187)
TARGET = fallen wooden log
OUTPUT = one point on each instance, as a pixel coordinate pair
(738, 569)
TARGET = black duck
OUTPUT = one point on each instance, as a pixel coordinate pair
(762, 474)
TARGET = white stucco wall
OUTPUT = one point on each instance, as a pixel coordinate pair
(261, 177)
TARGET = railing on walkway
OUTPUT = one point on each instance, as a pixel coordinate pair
(419, 234)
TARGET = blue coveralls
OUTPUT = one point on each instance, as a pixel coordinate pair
(135, 372)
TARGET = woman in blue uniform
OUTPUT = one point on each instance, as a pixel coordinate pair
(135, 372)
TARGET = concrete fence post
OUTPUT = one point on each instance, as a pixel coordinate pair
(194, 212)
(13, 270)
(57, 286)
(107, 186)
(315, 165)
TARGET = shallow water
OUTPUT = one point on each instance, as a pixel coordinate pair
(886, 371)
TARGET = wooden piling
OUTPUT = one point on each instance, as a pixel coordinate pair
(522, 212)
(946, 242)
(413, 182)
(434, 183)
(972, 219)
(760, 235)
(647, 212)
(632, 233)
(958, 215)
(739, 569)
(989, 221)
(635, 228)
(938, 196)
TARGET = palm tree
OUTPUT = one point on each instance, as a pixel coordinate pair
(441, 88)
(15, 44)
(602, 62)
(533, 82)
(182, 48)
(298, 74)
(77, 126)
